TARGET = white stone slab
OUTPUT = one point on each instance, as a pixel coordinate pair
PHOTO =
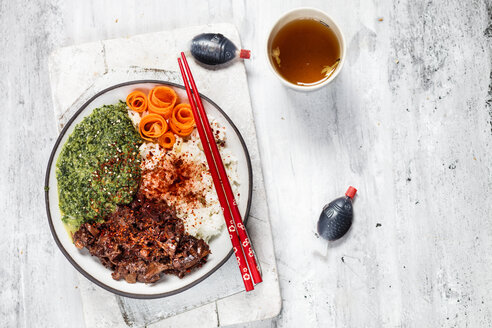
(79, 72)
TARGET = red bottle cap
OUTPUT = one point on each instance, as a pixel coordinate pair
(245, 54)
(351, 192)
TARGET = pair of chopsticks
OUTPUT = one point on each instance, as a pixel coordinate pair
(237, 231)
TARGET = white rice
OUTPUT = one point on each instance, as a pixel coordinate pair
(202, 219)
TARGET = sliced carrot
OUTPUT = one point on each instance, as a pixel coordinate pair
(182, 121)
(182, 117)
(152, 126)
(162, 100)
(137, 101)
(167, 140)
(180, 132)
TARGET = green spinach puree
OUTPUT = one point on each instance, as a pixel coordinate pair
(99, 166)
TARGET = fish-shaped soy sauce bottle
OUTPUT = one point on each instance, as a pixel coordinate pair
(215, 49)
(336, 218)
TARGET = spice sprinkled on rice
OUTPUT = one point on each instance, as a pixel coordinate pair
(180, 177)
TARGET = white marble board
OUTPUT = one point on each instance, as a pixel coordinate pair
(77, 73)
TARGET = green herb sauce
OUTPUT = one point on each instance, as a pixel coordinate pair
(99, 166)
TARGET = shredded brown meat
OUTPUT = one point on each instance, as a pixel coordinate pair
(141, 241)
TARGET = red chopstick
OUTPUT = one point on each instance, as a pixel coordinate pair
(243, 236)
(226, 198)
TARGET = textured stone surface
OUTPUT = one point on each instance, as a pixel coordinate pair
(408, 122)
(159, 62)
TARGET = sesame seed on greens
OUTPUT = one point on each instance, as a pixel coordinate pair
(98, 167)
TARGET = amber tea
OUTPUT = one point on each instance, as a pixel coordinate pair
(305, 52)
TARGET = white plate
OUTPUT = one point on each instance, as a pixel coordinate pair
(90, 266)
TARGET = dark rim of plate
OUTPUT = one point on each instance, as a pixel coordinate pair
(47, 200)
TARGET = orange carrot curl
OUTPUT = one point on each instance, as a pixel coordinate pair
(167, 140)
(152, 126)
(137, 101)
(162, 100)
(182, 122)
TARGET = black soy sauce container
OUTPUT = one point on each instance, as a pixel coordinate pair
(336, 218)
(215, 49)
